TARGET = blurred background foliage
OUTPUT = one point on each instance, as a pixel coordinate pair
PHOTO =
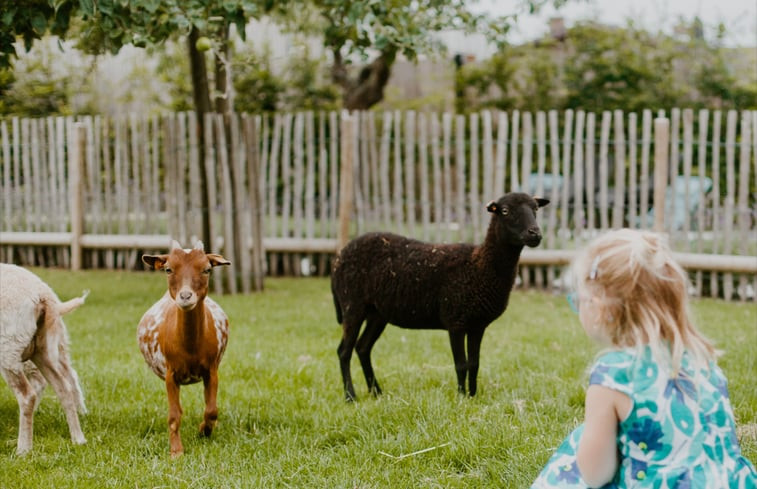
(595, 67)
(586, 66)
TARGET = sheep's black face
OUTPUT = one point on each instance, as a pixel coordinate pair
(515, 218)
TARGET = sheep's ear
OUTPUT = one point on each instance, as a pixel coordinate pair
(541, 202)
(155, 262)
(216, 260)
(492, 207)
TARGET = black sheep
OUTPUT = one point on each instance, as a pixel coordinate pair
(384, 278)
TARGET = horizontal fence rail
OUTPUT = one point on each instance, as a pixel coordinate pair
(280, 193)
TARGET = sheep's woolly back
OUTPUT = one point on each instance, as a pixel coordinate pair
(27, 307)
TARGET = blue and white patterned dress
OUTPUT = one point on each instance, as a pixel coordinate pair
(678, 435)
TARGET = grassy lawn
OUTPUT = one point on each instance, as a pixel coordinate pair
(283, 421)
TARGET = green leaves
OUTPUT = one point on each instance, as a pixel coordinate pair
(110, 24)
(87, 7)
(39, 23)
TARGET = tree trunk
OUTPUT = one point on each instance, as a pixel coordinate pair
(222, 96)
(224, 105)
(367, 89)
(201, 95)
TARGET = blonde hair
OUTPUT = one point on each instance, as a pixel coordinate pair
(642, 296)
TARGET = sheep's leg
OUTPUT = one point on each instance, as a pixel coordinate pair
(65, 388)
(373, 328)
(474, 349)
(210, 382)
(174, 415)
(27, 404)
(457, 341)
(349, 338)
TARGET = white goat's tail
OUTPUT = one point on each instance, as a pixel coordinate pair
(70, 305)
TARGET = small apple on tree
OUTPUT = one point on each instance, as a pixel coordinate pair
(203, 44)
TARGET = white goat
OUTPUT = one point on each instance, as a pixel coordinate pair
(34, 349)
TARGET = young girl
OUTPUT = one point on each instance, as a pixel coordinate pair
(657, 407)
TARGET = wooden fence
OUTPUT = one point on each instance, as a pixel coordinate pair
(98, 192)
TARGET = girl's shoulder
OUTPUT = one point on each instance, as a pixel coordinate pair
(618, 360)
(637, 369)
(615, 369)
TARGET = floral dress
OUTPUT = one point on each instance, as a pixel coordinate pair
(678, 435)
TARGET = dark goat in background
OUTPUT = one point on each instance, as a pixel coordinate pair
(384, 278)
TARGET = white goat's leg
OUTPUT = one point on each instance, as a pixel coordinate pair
(69, 373)
(37, 381)
(27, 403)
(65, 389)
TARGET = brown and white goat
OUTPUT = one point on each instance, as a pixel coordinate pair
(34, 350)
(184, 334)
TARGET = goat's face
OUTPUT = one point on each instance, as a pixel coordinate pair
(514, 218)
(188, 272)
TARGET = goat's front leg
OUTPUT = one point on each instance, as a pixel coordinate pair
(210, 381)
(457, 341)
(174, 415)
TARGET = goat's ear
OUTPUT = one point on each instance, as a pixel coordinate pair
(541, 202)
(216, 260)
(155, 262)
(492, 207)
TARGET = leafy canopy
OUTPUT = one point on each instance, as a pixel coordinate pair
(30, 20)
(364, 27)
(110, 24)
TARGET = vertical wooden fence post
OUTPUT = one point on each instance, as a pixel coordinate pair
(251, 134)
(76, 189)
(347, 173)
(661, 142)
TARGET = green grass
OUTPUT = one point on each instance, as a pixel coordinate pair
(283, 421)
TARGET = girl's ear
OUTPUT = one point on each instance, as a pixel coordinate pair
(492, 207)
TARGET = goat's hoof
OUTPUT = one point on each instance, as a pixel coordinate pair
(20, 452)
(176, 454)
(206, 429)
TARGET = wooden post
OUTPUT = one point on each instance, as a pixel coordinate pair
(251, 134)
(76, 189)
(346, 178)
(661, 142)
